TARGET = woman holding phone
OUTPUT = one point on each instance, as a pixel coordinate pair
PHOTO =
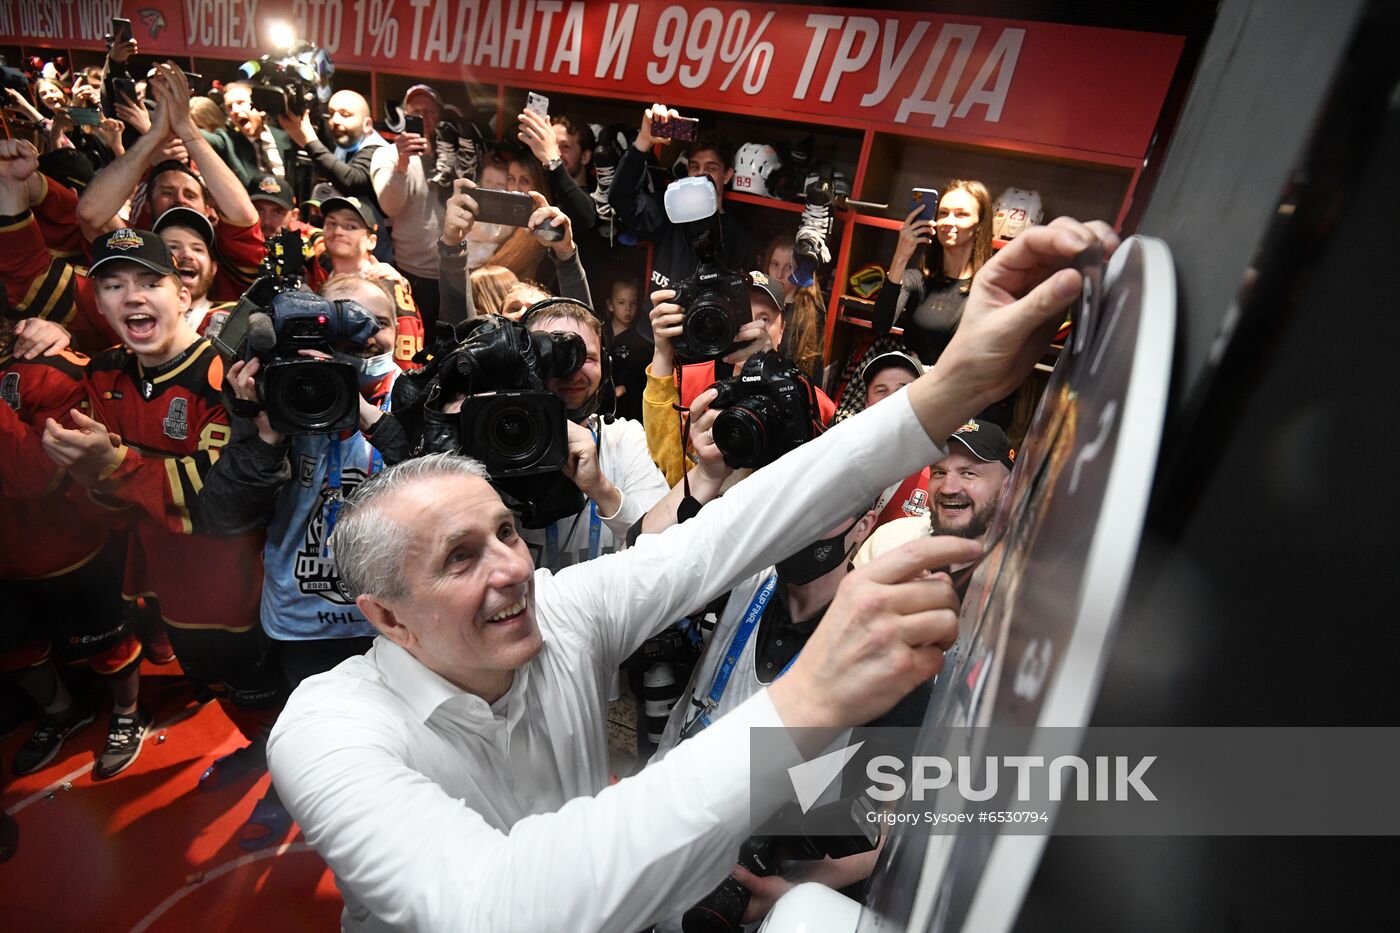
(930, 296)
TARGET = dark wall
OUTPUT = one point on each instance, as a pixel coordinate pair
(1263, 591)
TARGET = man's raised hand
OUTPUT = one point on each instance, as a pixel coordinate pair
(1018, 300)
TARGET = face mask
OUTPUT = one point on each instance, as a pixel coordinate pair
(815, 560)
(369, 369)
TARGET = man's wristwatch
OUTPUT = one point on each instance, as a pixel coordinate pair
(553, 163)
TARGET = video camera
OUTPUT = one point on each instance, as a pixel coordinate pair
(770, 407)
(297, 80)
(276, 319)
(715, 299)
(723, 908)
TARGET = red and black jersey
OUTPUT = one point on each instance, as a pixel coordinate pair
(408, 339)
(57, 213)
(43, 532)
(173, 425)
(240, 251)
(40, 285)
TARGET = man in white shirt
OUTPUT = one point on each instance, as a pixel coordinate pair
(455, 777)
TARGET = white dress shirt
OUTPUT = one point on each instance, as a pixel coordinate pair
(437, 811)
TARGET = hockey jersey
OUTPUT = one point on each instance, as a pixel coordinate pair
(43, 532)
(172, 424)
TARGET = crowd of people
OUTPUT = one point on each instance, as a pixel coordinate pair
(421, 647)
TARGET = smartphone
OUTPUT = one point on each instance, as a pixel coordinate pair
(508, 208)
(926, 200)
(681, 128)
(124, 89)
(537, 103)
(121, 30)
(413, 124)
(85, 116)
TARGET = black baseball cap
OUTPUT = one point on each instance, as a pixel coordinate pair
(271, 188)
(350, 204)
(186, 217)
(987, 441)
(891, 358)
(772, 289)
(139, 246)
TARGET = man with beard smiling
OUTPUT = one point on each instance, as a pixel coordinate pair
(964, 488)
(156, 429)
(190, 237)
(355, 138)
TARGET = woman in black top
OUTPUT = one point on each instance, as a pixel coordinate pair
(930, 297)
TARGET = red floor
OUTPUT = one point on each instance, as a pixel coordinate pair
(147, 850)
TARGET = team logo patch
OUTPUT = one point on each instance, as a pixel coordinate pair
(917, 503)
(124, 240)
(970, 426)
(176, 423)
(823, 552)
(9, 390)
(269, 185)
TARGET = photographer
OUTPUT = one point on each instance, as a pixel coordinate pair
(671, 389)
(790, 599)
(355, 138)
(608, 459)
(712, 156)
(459, 218)
(452, 776)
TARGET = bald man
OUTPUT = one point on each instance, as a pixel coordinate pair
(352, 131)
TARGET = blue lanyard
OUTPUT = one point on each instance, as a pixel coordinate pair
(595, 528)
(334, 484)
(731, 657)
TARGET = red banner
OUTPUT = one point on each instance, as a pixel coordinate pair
(1070, 87)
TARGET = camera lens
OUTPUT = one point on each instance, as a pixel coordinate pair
(313, 396)
(741, 432)
(721, 912)
(708, 329)
(512, 436)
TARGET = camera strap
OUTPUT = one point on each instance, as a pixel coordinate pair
(700, 719)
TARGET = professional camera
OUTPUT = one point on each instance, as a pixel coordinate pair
(297, 80)
(510, 420)
(715, 300)
(275, 320)
(769, 408)
(723, 909)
